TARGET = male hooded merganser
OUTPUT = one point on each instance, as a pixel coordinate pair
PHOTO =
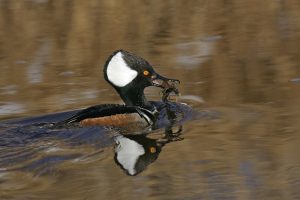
(129, 74)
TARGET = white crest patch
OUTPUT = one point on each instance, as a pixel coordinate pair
(118, 72)
(128, 151)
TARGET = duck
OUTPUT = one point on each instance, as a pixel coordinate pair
(129, 75)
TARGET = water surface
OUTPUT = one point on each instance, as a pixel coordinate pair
(238, 59)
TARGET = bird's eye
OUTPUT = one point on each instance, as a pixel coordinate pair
(152, 150)
(146, 72)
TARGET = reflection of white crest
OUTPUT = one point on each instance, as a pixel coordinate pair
(128, 151)
(118, 72)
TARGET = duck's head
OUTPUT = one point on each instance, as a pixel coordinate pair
(130, 74)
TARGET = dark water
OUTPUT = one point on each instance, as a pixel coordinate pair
(239, 60)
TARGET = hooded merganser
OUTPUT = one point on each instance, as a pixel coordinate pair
(129, 74)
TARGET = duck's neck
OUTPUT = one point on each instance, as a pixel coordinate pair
(135, 97)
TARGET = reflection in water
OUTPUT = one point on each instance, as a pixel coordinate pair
(295, 80)
(134, 153)
(36, 67)
(11, 108)
(193, 54)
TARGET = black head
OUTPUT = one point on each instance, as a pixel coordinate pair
(130, 74)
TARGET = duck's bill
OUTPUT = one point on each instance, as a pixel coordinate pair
(169, 86)
(163, 82)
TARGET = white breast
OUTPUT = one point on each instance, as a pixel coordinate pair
(118, 72)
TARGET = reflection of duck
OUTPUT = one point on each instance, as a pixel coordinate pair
(133, 153)
(129, 74)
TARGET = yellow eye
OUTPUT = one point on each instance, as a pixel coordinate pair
(146, 73)
(152, 149)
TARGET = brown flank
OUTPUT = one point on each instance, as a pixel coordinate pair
(118, 120)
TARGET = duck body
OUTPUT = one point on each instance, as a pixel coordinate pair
(131, 117)
(129, 75)
(112, 115)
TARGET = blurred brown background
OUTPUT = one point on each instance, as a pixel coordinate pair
(240, 58)
(52, 52)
